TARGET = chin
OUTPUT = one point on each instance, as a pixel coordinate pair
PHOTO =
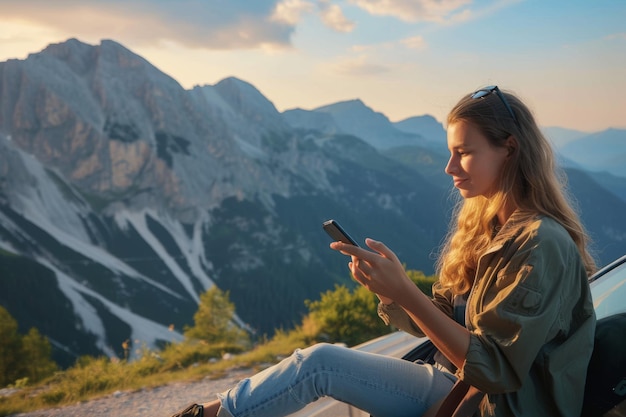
(467, 194)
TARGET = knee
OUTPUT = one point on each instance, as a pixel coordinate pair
(318, 353)
(317, 364)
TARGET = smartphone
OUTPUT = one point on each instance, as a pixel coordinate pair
(337, 233)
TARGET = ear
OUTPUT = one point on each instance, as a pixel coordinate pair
(511, 145)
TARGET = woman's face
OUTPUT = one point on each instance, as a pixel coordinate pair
(474, 164)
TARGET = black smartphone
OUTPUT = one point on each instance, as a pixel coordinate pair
(337, 233)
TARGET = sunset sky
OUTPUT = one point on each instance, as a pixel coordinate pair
(566, 58)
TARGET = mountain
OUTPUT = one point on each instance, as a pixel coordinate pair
(425, 126)
(418, 142)
(616, 185)
(124, 196)
(311, 120)
(601, 213)
(355, 118)
(599, 152)
(560, 136)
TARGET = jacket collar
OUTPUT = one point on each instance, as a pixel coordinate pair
(511, 229)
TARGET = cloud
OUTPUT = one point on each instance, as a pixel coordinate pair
(332, 16)
(357, 66)
(227, 24)
(290, 11)
(415, 42)
(616, 37)
(196, 24)
(441, 11)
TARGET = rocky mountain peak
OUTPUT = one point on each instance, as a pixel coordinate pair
(247, 100)
(353, 117)
(124, 196)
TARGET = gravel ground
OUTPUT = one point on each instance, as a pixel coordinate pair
(155, 402)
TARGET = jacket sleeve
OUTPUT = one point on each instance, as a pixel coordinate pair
(394, 315)
(525, 312)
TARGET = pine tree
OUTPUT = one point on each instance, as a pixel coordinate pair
(214, 320)
(22, 356)
(10, 345)
(36, 356)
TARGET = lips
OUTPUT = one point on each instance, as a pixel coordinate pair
(458, 181)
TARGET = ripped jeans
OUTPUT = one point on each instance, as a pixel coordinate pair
(381, 385)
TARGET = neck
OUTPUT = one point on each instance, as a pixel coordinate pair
(505, 212)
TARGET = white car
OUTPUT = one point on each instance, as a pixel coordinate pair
(608, 288)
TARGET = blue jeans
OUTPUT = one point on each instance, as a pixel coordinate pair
(378, 384)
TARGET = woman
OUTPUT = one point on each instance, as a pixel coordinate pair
(511, 313)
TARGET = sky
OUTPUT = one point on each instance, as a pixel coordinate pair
(402, 58)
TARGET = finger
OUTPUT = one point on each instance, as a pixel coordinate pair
(355, 251)
(357, 274)
(348, 249)
(381, 248)
(359, 266)
(363, 266)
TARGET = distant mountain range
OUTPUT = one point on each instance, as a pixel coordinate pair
(124, 196)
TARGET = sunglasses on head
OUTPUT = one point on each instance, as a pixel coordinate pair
(483, 92)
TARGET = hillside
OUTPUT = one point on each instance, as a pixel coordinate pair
(124, 196)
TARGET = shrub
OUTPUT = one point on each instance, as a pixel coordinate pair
(214, 320)
(24, 358)
(347, 317)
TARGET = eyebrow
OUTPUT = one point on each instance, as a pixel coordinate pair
(461, 145)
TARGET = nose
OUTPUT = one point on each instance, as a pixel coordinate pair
(452, 166)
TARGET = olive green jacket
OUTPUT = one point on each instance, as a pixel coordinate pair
(531, 320)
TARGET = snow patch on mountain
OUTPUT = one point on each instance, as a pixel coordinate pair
(191, 249)
(45, 205)
(85, 312)
(250, 150)
(143, 331)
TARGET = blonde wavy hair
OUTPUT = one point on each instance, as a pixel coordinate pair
(530, 181)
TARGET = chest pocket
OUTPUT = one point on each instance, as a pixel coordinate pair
(524, 301)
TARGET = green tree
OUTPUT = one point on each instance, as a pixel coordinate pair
(214, 320)
(10, 344)
(423, 282)
(350, 317)
(35, 355)
(347, 317)
(22, 356)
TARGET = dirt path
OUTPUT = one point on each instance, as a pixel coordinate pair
(155, 402)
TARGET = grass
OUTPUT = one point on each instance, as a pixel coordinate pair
(92, 378)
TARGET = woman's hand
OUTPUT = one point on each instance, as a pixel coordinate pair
(379, 271)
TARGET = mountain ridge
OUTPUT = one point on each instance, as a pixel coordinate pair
(124, 196)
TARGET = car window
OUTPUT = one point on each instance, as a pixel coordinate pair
(609, 290)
